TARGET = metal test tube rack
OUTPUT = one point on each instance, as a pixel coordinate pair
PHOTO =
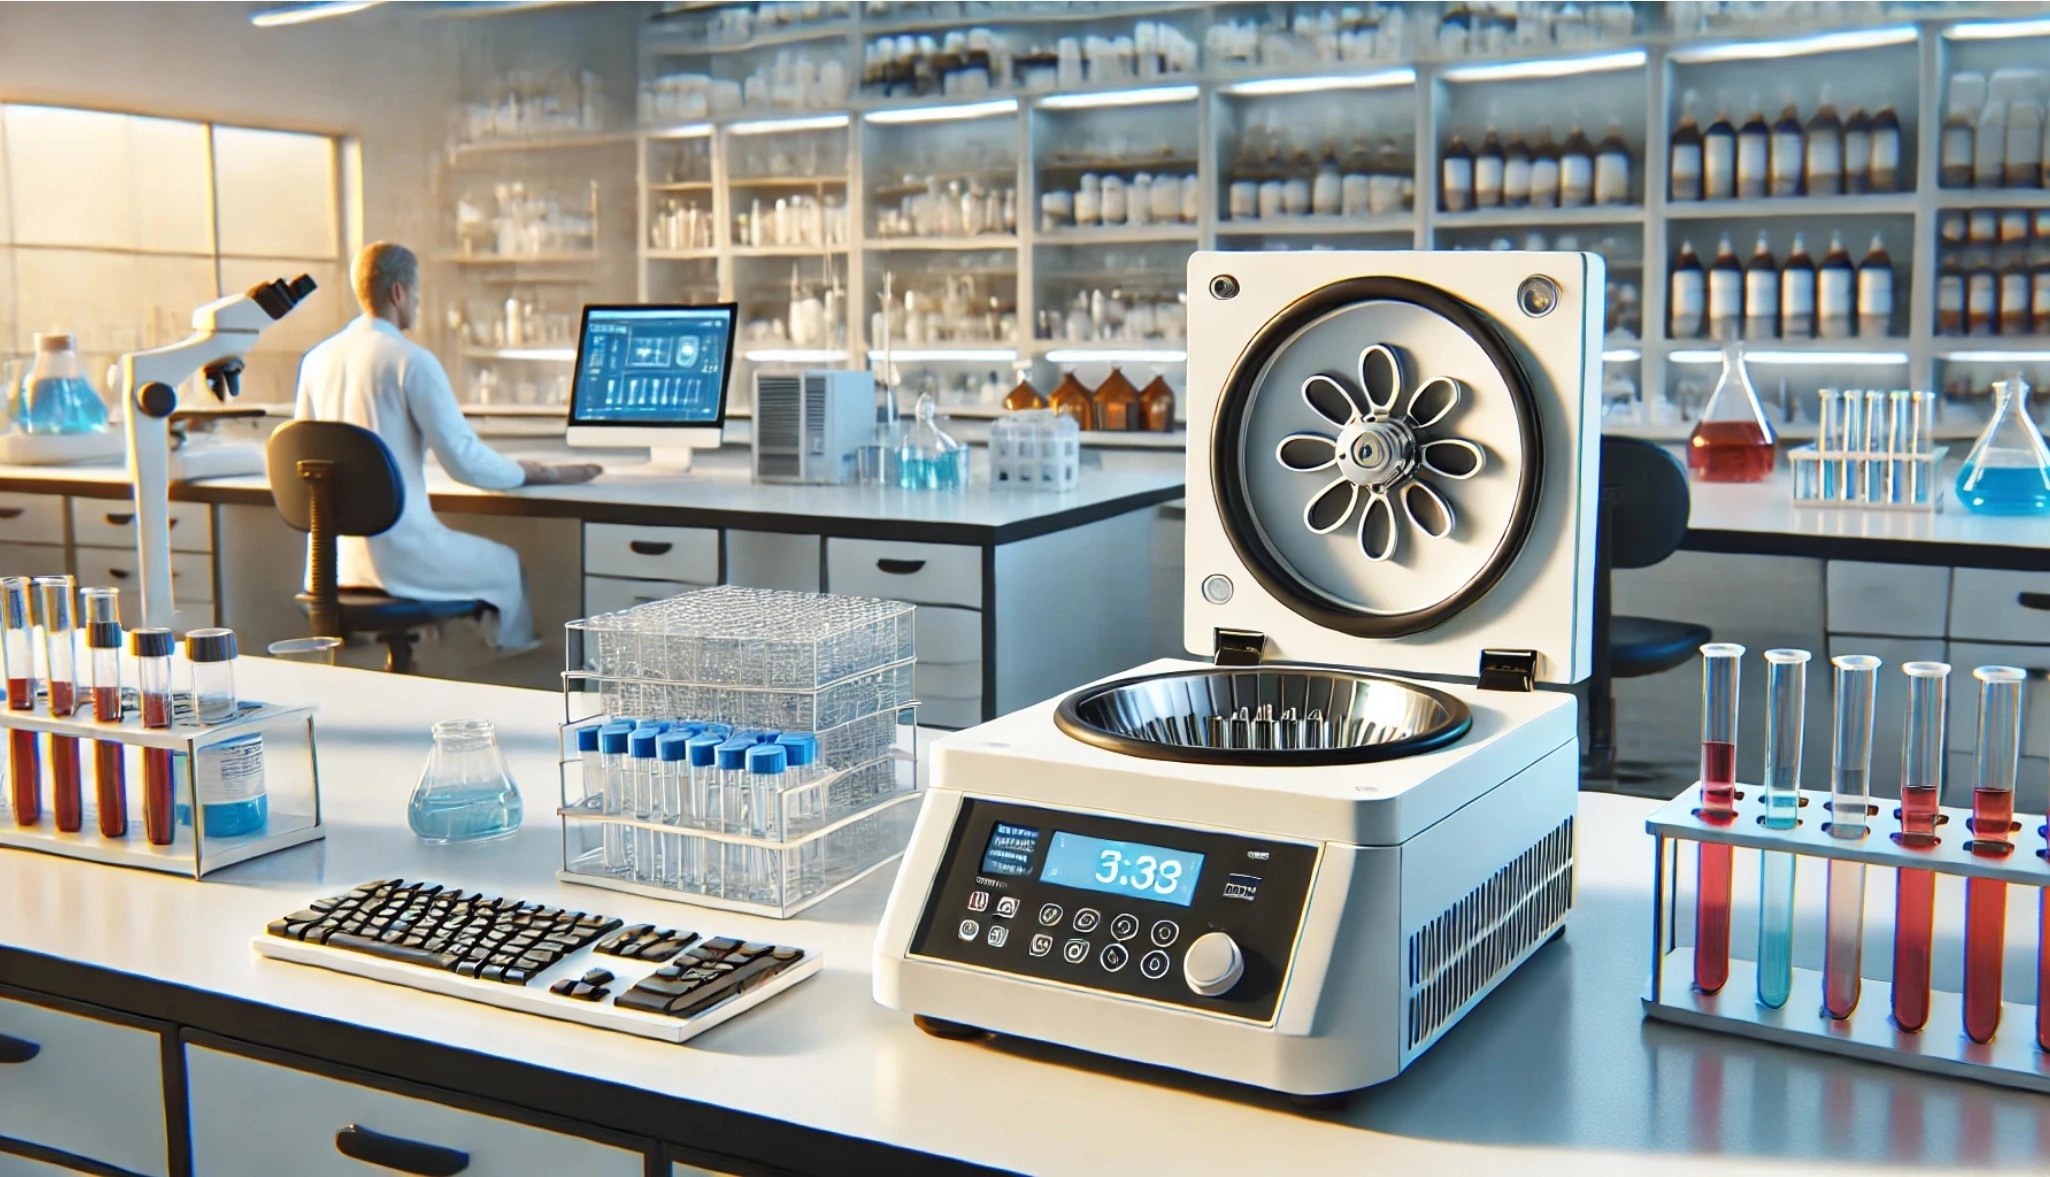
(2010, 1059)
(294, 809)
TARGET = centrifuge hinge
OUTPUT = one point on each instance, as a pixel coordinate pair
(1508, 670)
(1240, 647)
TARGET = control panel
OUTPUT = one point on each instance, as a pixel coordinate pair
(1188, 917)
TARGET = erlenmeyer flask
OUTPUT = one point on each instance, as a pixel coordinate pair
(1733, 441)
(466, 793)
(2008, 470)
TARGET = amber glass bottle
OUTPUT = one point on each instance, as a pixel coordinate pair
(1071, 399)
(1156, 406)
(1117, 404)
(1023, 397)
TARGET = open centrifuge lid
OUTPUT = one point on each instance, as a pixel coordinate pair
(1392, 456)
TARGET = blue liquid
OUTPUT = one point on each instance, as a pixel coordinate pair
(62, 406)
(2004, 490)
(465, 815)
(229, 819)
(1775, 929)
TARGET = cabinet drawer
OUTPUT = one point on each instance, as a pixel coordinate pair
(950, 713)
(110, 523)
(610, 594)
(924, 574)
(92, 1088)
(31, 519)
(1889, 600)
(32, 559)
(773, 560)
(1964, 696)
(257, 1119)
(948, 635)
(935, 681)
(2000, 606)
(192, 577)
(686, 554)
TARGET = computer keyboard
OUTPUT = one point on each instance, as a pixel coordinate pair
(640, 979)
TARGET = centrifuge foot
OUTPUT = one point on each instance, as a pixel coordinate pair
(954, 1031)
(1335, 1101)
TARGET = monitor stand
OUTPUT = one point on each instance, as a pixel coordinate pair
(663, 462)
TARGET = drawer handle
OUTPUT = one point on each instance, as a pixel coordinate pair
(17, 1050)
(899, 567)
(120, 520)
(119, 573)
(12, 512)
(2033, 601)
(396, 1152)
(649, 547)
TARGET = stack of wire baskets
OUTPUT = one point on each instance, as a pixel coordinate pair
(743, 664)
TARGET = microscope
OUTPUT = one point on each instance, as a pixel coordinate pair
(223, 331)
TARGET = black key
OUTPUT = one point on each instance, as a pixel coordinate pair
(598, 977)
(666, 989)
(323, 905)
(278, 927)
(392, 935)
(492, 972)
(468, 968)
(787, 953)
(651, 1003)
(731, 985)
(502, 959)
(309, 916)
(660, 950)
(398, 952)
(567, 943)
(516, 976)
(722, 944)
(708, 973)
(669, 973)
(414, 941)
(480, 954)
(535, 964)
(561, 988)
(584, 992)
(319, 935)
(618, 943)
(436, 944)
(754, 949)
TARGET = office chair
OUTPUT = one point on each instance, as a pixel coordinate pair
(1644, 505)
(330, 479)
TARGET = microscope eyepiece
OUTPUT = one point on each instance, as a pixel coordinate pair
(277, 298)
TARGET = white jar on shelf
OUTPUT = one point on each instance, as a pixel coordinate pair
(1270, 199)
(1089, 200)
(1114, 207)
(1192, 199)
(1243, 200)
(1167, 199)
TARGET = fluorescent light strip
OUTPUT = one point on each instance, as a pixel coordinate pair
(1144, 97)
(794, 355)
(1994, 30)
(914, 355)
(1847, 359)
(1622, 355)
(1131, 355)
(1797, 46)
(299, 14)
(1560, 68)
(687, 131)
(941, 114)
(1266, 87)
(1998, 357)
(821, 122)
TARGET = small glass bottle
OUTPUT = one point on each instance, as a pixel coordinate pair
(1612, 167)
(229, 776)
(1687, 295)
(1719, 158)
(466, 793)
(1576, 170)
(1684, 156)
(1024, 397)
(1487, 174)
(24, 752)
(1754, 153)
(2007, 471)
(212, 655)
(1733, 442)
(57, 604)
(152, 649)
(110, 768)
(1156, 406)
(1071, 399)
(1117, 404)
(1456, 177)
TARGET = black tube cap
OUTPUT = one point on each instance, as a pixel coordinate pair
(150, 643)
(210, 645)
(103, 635)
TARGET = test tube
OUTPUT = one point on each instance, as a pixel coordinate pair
(612, 767)
(805, 792)
(1850, 765)
(1785, 716)
(1719, 666)
(1914, 902)
(587, 759)
(766, 766)
(2000, 740)
(99, 604)
(110, 770)
(733, 817)
(700, 810)
(640, 800)
(1874, 487)
(1830, 439)
(24, 763)
(672, 751)
(152, 650)
(211, 653)
(57, 601)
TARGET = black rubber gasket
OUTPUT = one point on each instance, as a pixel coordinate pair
(1068, 718)
(1239, 389)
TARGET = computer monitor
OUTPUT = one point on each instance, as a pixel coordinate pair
(652, 376)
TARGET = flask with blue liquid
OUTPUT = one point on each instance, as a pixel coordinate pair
(56, 398)
(2008, 470)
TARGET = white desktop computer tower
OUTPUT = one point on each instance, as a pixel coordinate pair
(807, 427)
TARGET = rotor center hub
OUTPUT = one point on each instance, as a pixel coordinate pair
(1377, 454)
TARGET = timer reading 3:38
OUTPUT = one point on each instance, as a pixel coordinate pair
(1122, 868)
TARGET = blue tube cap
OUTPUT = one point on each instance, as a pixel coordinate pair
(587, 737)
(642, 743)
(612, 739)
(802, 747)
(660, 725)
(703, 750)
(733, 754)
(767, 759)
(672, 746)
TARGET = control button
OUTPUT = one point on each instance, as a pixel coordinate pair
(1113, 958)
(1075, 951)
(1050, 914)
(1041, 944)
(998, 933)
(970, 929)
(1165, 932)
(1213, 965)
(1007, 907)
(1087, 919)
(1246, 887)
(1153, 965)
(1124, 926)
(978, 900)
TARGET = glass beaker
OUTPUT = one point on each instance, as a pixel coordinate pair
(466, 793)
(1733, 442)
(58, 399)
(2008, 470)
(312, 651)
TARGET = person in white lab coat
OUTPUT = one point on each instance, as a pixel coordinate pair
(370, 374)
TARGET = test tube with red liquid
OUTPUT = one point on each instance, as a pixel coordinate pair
(1719, 665)
(1914, 901)
(152, 650)
(1850, 791)
(24, 765)
(2000, 746)
(57, 601)
(110, 771)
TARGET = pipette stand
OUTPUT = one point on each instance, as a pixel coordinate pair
(2010, 1059)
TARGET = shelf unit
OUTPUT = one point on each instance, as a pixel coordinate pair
(1906, 62)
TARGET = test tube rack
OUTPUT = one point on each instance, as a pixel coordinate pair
(294, 816)
(2010, 1059)
(1876, 479)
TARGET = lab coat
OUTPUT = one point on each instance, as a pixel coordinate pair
(370, 374)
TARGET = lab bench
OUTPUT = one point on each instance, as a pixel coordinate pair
(165, 1045)
(1020, 593)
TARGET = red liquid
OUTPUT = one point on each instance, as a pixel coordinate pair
(1730, 451)
(1712, 895)
(1986, 919)
(64, 788)
(20, 696)
(157, 813)
(110, 770)
(24, 778)
(1914, 914)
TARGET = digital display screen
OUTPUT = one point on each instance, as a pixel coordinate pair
(644, 365)
(1122, 868)
(1010, 850)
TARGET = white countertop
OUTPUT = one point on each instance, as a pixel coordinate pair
(1769, 507)
(1555, 1073)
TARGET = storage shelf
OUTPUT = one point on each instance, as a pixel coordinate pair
(787, 182)
(1947, 198)
(1122, 235)
(682, 186)
(1313, 226)
(1950, 347)
(1872, 204)
(542, 143)
(1542, 218)
(1163, 163)
(1066, 14)
(943, 244)
(659, 42)
(681, 255)
(787, 250)
(521, 259)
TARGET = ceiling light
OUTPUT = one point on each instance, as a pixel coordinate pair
(686, 131)
(1113, 355)
(1144, 97)
(1266, 87)
(819, 122)
(1558, 68)
(1998, 30)
(1847, 359)
(1997, 357)
(1796, 46)
(941, 114)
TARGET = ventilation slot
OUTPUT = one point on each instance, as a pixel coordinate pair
(778, 408)
(813, 439)
(1462, 951)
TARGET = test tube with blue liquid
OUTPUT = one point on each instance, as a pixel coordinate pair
(1785, 717)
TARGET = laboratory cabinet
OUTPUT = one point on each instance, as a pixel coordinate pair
(85, 1082)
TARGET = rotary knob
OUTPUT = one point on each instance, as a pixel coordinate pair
(1213, 964)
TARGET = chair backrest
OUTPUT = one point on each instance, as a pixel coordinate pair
(368, 494)
(1646, 490)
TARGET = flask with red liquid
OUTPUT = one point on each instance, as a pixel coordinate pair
(1733, 442)
(1719, 666)
(24, 761)
(1915, 890)
(2000, 744)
